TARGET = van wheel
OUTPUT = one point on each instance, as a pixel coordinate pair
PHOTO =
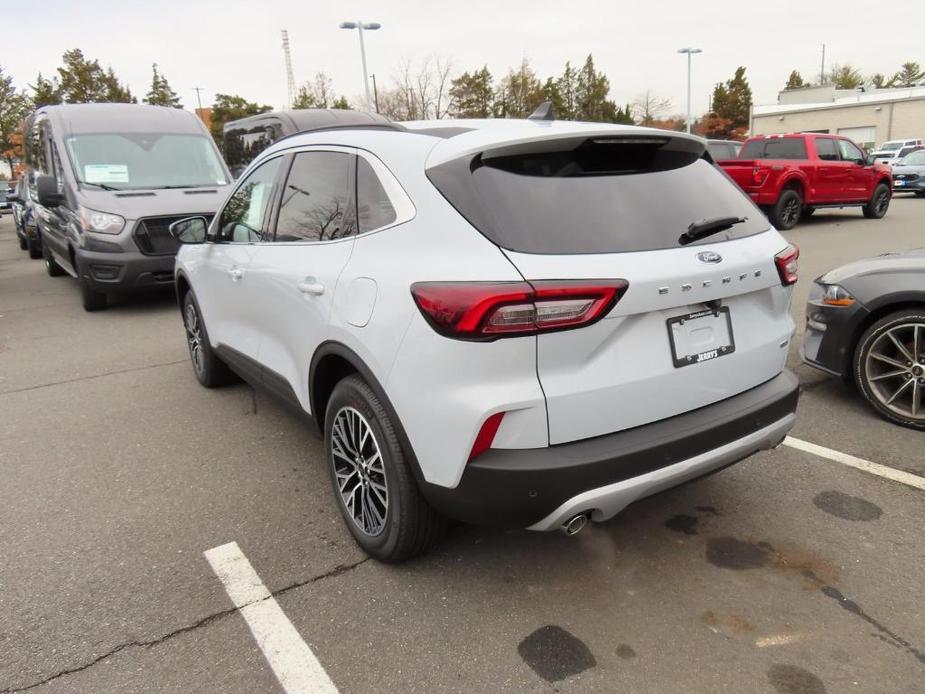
(889, 367)
(23, 244)
(209, 369)
(373, 483)
(879, 202)
(786, 213)
(91, 299)
(51, 265)
(34, 246)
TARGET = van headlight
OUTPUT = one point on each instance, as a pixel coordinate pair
(100, 222)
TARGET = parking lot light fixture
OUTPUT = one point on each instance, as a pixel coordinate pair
(690, 52)
(361, 27)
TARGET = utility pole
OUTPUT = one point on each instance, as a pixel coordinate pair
(199, 100)
(375, 92)
(822, 71)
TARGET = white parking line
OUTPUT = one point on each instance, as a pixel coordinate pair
(858, 463)
(293, 662)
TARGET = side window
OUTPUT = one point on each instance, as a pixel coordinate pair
(317, 203)
(849, 152)
(827, 149)
(243, 219)
(374, 209)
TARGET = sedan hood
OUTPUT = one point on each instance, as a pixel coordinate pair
(888, 262)
(135, 204)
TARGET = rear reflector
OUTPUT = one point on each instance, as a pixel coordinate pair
(489, 310)
(486, 435)
(786, 262)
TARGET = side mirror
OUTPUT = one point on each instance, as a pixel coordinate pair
(46, 189)
(190, 230)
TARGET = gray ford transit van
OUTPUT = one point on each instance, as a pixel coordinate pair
(107, 182)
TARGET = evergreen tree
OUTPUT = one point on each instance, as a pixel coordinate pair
(83, 81)
(732, 101)
(341, 103)
(845, 77)
(624, 116)
(45, 92)
(567, 88)
(591, 90)
(160, 93)
(472, 95)
(520, 93)
(795, 81)
(909, 75)
(878, 81)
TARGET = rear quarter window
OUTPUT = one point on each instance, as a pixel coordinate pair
(594, 199)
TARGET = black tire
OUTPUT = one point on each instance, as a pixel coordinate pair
(808, 211)
(91, 299)
(866, 368)
(787, 211)
(879, 202)
(51, 265)
(410, 525)
(209, 370)
(920, 193)
(34, 246)
(23, 243)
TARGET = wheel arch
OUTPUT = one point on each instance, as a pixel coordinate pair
(182, 285)
(332, 362)
(794, 181)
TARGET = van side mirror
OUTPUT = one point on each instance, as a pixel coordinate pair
(190, 230)
(46, 189)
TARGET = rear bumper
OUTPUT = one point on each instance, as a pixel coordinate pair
(540, 488)
(126, 271)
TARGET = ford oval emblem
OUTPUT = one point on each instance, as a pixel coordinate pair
(709, 257)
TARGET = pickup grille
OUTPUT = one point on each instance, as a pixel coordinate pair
(152, 235)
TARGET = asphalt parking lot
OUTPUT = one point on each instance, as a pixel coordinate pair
(789, 573)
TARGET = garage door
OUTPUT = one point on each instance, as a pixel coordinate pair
(866, 136)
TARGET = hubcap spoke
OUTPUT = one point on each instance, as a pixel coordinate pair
(890, 374)
(359, 471)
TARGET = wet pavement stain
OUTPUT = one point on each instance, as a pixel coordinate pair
(734, 554)
(732, 623)
(554, 654)
(848, 507)
(855, 609)
(625, 651)
(683, 524)
(790, 679)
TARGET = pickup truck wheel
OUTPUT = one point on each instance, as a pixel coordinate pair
(879, 202)
(786, 213)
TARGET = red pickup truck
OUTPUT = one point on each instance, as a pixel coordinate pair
(789, 176)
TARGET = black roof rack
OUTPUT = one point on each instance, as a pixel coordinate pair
(313, 119)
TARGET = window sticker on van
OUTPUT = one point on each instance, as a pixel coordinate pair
(106, 173)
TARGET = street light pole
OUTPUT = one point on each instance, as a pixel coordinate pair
(360, 26)
(689, 51)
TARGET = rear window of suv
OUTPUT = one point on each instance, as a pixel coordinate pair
(598, 197)
(775, 148)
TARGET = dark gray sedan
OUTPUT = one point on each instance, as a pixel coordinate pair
(865, 322)
(909, 174)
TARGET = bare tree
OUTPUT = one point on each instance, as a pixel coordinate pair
(418, 92)
(648, 107)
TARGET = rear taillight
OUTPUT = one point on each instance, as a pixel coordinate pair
(786, 262)
(489, 310)
(759, 174)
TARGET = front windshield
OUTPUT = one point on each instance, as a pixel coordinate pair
(914, 159)
(891, 146)
(145, 160)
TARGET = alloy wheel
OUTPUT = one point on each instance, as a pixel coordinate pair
(881, 203)
(194, 337)
(359, 471)
(791, 211)
(895, 370)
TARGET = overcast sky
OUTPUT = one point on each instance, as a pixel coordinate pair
(235, 47)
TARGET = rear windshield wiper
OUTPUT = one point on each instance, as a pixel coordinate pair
(708, 227)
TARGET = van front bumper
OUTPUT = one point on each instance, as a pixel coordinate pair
(540, 488)
(124, 271)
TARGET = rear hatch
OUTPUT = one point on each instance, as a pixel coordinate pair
(701, 319)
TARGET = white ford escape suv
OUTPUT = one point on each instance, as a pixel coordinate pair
(518, 323)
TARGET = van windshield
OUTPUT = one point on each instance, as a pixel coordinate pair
(125, 161)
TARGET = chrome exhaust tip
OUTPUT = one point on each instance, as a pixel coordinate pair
(575, 524)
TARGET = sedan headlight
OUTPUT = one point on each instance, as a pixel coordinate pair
(100, 222)
(835, 295)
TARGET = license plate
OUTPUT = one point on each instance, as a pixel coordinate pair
(899, 183)
(701, 336)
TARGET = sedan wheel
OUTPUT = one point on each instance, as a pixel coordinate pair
(890, 367)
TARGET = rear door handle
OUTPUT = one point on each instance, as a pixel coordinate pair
(235, 274)
(311, 285)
